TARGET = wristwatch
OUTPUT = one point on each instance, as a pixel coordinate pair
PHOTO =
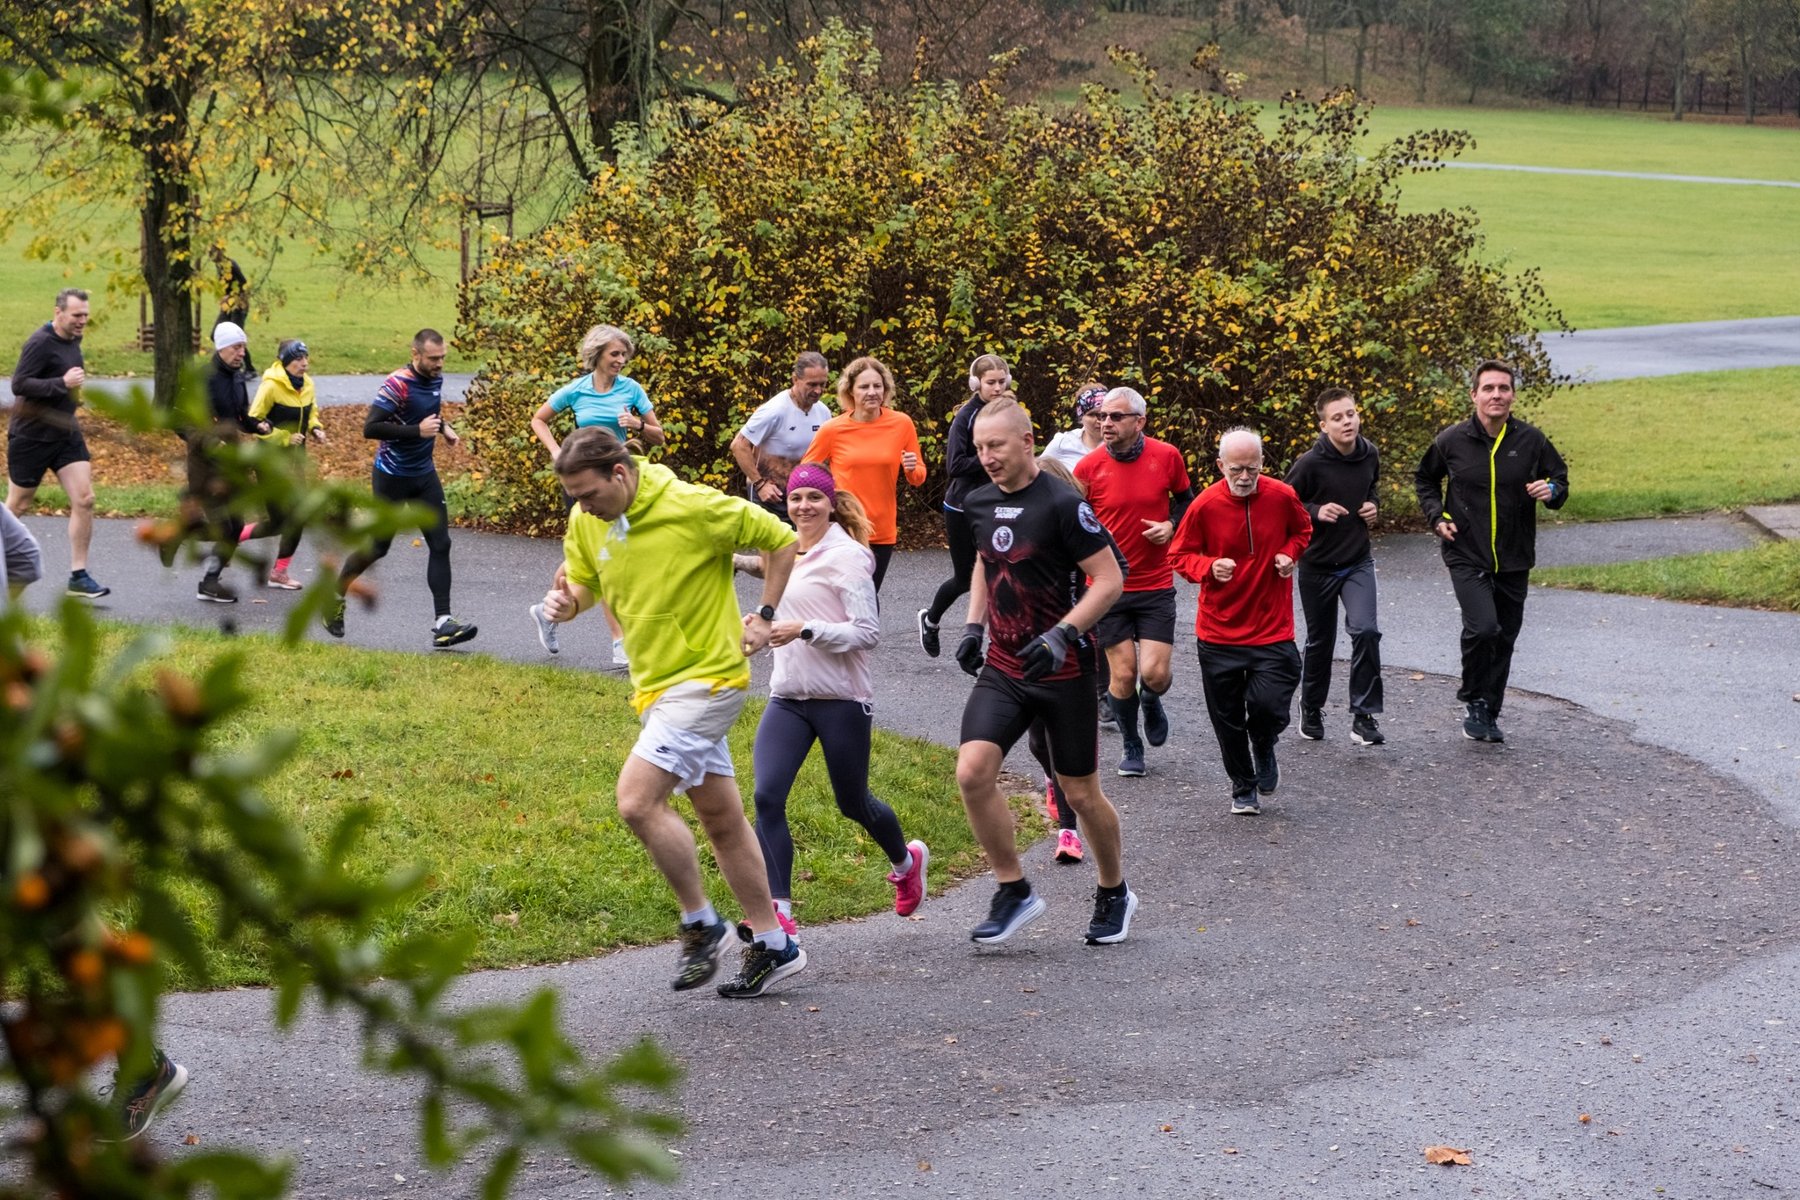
(806, 633)
(766, 612)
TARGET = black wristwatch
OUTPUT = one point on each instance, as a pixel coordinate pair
(806, 633)
(766, 612)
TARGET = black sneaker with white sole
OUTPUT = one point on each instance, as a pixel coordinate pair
(1010, 912)
(1112, 916)
(702, 947)
(928, 634)
(1365, 731)
(1246, 805)
(762, 968)
(1478, 725)
(1312, 724)
(216, 590)
(450, 632)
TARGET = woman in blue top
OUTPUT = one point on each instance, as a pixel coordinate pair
(612, 401)
(603, 397)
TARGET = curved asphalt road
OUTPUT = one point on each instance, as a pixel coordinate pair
(1433, 942)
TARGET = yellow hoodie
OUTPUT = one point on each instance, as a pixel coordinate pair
(287, 411)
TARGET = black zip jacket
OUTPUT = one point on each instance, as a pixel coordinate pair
(43, 406)
(961, 464)
(1496, 522)
(1324, 476)
(228, 399)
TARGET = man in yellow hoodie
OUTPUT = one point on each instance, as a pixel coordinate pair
(658, 552)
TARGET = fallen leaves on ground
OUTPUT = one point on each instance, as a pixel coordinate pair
(1448, 1156)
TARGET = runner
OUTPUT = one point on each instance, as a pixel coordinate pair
(1139, 488)
(206, 506)
(1072, 445)
(44, 435)
(21, 562)
(1239, 541)
(821, 689)
(659, 551)
(1336, 481)
(781, 430)
(604, 398)
(406, 419)
(989, 377)
(1482, 504)
(1033, 534)
(287, 402)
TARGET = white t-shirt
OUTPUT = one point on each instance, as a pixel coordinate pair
(779, 429)
(1068, 448)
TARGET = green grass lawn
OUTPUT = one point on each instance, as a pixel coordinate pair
(506, 793)
(1766, 577)
(1681, 443)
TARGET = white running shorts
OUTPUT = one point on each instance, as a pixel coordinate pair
(684, 731)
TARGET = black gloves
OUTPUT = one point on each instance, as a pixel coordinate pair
(968, 653)
(1047, 651)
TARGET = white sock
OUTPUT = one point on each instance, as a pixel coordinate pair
(439, 623)
(705, 916)
(904, 865)
(776, 939)
(785, 908)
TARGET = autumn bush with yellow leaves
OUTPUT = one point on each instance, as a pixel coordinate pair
(1227, 268)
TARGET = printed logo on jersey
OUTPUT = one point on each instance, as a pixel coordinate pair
(1003, 539)
(1089, 521)
(1003, 513)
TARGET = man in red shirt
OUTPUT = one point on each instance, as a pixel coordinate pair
(1139, 488)
(1239, 541)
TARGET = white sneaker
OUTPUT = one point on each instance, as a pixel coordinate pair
(619, 659)
(546, 629)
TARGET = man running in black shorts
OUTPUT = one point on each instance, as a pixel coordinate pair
(44, 436)
(405, 418)
(1032, 535)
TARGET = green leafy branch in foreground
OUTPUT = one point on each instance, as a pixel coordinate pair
(110, 789)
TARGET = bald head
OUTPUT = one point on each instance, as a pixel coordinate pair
(1003, 444)
(1005, 414)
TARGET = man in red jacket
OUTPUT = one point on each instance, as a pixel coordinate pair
(1239, 541)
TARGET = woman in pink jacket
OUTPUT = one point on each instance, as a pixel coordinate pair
(821, 689)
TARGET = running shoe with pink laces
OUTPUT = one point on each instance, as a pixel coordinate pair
(788, 925)
(1068, 846)
(1050, 801)
(909, 889)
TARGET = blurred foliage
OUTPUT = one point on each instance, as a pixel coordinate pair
(110, 787)
(1162, 240)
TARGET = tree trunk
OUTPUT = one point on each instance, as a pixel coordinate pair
(1362, 50)
(611, 91)
(166, 217)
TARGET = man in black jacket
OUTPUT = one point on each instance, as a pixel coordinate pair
(44, 435)
(1335, 480)
(1499, 469)
(207, 504)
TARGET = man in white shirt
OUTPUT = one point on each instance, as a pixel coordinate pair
(778, 434)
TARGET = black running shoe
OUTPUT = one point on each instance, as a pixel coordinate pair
(1477, 725)
(83, 586)
(152, 1096)
(216, 590)
(928, 634)
(1312, 724)
(762, 967)
(1364, 730)
(1246, 805)
(1268, 772)
(1112, 917)
(334, 618)
(1131, 762)
(702, 946)
(1156, 721)
(1007, 915)
(450, 632)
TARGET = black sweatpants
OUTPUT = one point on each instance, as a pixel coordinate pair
(1320, 594)
(209, 494)
(1493, 612)
(1250, 697)
(424, 489)
(785, 736)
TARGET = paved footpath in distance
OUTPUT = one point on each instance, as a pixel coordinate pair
(1431, 942)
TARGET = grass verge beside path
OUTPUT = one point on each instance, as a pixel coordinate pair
(1766, 577)
(503, 787)
(1677, 444)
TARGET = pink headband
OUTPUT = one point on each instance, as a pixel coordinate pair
(812, 475)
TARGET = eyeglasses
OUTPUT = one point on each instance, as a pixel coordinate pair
(1250, 469)
(1116, 416)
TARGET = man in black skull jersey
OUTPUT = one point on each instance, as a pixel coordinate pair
(1033, 534)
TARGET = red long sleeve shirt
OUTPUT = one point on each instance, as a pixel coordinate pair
(1255, 607)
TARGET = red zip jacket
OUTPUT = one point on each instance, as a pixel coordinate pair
(1255, 607)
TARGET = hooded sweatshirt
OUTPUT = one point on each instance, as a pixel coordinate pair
(1324, 475)
(832, 590)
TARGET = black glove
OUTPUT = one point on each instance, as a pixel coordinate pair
(1047, 651)
(968, 653)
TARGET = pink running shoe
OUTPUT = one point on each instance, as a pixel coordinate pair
(1068, 846)
(787, 923)
(909, 889)
(279, 578)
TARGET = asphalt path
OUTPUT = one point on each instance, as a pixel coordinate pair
(1650, 176)
(1432, 942)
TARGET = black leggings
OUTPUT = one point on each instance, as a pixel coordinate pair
(961, 536)
(783, 740)
(423, 489)
(884, 554)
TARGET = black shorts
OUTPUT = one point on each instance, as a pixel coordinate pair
(1139, 617)
(28, 459)
(1000, 709)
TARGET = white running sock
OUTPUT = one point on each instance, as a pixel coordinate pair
(706, 916)
(904, 865)
(776, 939)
